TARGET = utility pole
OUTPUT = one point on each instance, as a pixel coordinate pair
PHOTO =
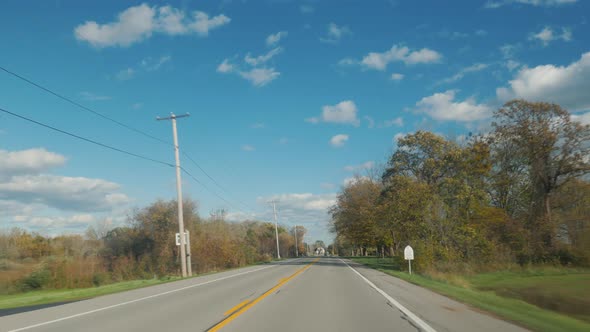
(185, 255)
(274, 209)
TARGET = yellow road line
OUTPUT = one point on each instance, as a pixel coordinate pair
(234, 309)
(247, 306)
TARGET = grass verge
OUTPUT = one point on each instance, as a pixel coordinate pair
(64, 295)
(512, 309)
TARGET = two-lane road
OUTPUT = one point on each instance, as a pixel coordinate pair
(324, 294)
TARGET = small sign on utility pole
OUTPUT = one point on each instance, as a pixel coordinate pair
(409, 256)
(185, 238)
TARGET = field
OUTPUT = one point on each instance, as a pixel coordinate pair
(539, 298)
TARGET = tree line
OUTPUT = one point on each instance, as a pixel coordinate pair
(518, 194)
(144, 248)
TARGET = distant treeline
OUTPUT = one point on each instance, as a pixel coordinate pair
(518, 194)
(143, 249)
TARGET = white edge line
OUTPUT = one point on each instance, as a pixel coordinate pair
(411, 315)
(137, 300)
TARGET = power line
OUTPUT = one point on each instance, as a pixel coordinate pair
(85, 139)
(211, 191)
(62, 97)
(138, 131)
(213, 180)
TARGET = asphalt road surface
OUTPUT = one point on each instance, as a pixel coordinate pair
(306, 294)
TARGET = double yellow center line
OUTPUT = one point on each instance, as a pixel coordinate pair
(244, 306)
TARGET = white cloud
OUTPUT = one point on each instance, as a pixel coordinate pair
(440, 106)
(31, 161)
(398, 136)
(481, 32)
(150, 64)
(335, 33)
(258, 125)
(283, 140)
(338, 140)
(261, 59)
(225, 67)
(379, 61)
(344, 112)
(138, 23)
(93, 97)
(547, 35)
(137, 106)
(458, 76)
(583, 118)
(248, 148)
(564, 85)
(354, 179)
(125, 74)
(397, 76)
(363, 166)
(202, 23)
(307, 209)
(62, 192)
(260, 76)
(538, 3)
(275, 38)
(399, 121)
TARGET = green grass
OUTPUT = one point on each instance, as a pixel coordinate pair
(65, 295)
(491, 292)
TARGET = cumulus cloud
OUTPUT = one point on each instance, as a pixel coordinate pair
(335, 33)
(345, 112)
(31, 161)
(354, 179)
(307, 209)
(338, 140)
(62, 192)
(274, 38)
(225, 67)
(565, 85)
(138, 23)
(363, 166)
(547, 35)
(380, 60)
(441, 106)
(583, 118)
(260, 76)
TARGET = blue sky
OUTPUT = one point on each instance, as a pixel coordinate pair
(288, 99)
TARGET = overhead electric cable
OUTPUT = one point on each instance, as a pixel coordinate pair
(84, 138)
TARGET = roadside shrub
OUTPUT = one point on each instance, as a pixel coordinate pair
(101, 278)
(35, 280)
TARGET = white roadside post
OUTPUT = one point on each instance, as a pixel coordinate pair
(409, 256)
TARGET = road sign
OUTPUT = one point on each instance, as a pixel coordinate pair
(409, 256)
(408, 253)
(178, 238)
